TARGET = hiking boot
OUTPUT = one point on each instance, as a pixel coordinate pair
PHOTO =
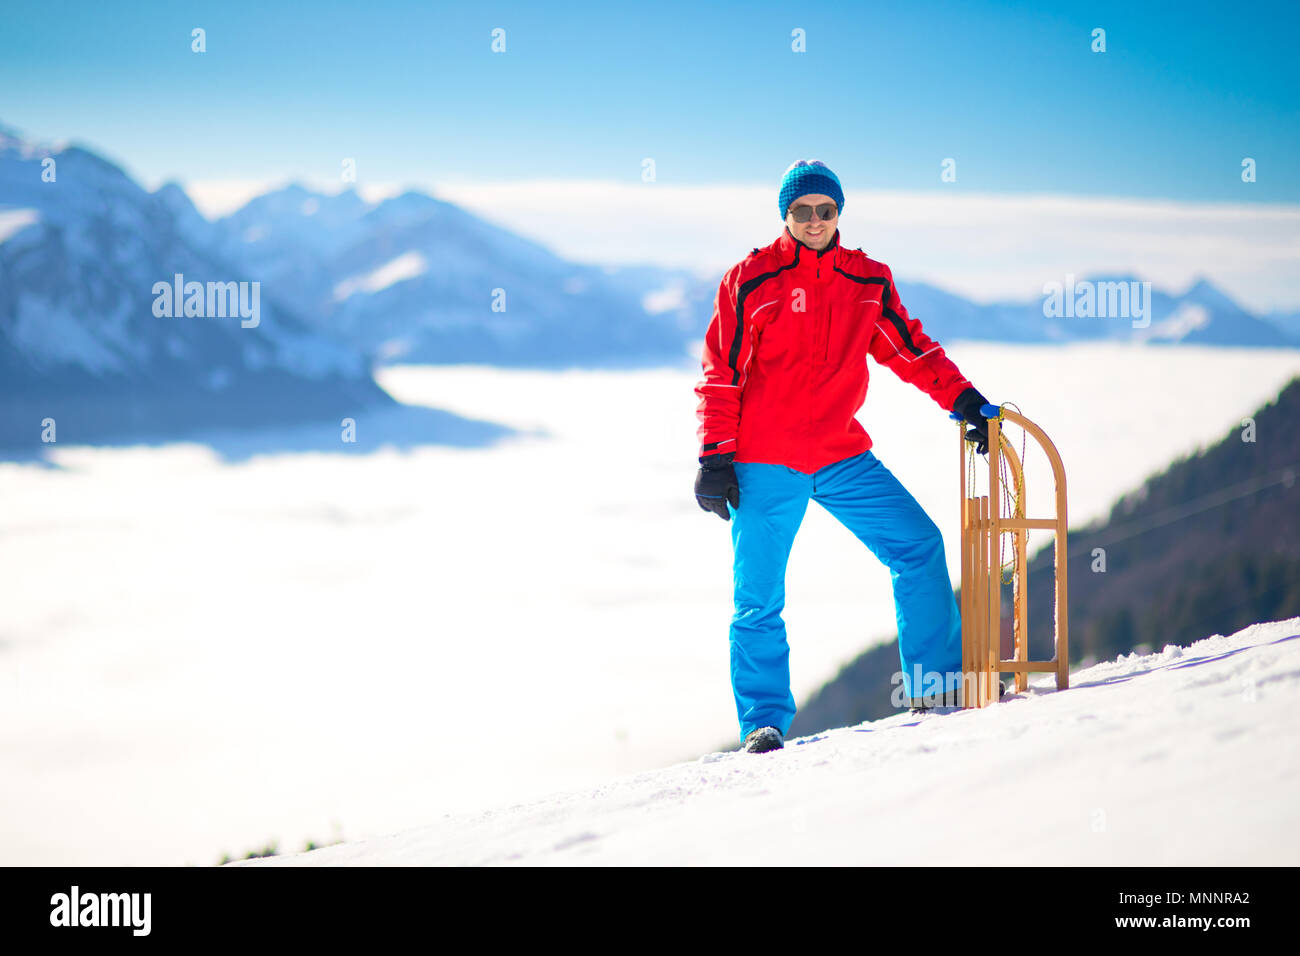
(763, 739)
(949, 699)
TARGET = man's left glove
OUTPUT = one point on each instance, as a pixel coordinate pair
(968, 406)
(716, 484)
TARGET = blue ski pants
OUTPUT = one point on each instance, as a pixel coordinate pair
(867, 499)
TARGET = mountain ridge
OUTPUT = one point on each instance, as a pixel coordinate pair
(81, 344)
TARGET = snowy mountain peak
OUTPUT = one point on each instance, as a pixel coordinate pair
(343, 205)
(1204, 292)
(296, 200)
(91, 163)
(174, 196)
(407, 208)
(9, 138)
(293, 221)
(13, 143)
(413, 199)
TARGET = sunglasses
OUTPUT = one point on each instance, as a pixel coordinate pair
(826, 210)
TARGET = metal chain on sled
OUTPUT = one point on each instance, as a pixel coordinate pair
(1010, 498)
(1011, 501)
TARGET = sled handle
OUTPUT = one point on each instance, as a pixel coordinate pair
(988, 411)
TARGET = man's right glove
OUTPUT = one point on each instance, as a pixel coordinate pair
(968, 405)
(716, 484)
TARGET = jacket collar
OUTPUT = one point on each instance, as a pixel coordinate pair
(788, 246)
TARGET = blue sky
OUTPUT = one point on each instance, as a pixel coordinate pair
(1068, 162)
(713, 94)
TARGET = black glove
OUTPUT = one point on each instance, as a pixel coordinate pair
(968, 407)
(716, 484)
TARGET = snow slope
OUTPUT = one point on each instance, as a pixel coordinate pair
(1187, 756)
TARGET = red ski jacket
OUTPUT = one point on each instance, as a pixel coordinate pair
(785, 356)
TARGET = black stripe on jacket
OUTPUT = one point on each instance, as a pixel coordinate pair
(745, 289)
(889, 313)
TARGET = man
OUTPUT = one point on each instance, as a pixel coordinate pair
(785, 372)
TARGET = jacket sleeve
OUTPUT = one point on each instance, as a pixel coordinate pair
(900, 343)
(728, 350)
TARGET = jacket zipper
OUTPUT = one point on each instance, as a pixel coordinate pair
(826, 349)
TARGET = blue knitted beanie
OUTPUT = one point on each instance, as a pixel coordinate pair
(809, 176)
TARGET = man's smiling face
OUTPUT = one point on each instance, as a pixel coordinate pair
(815, 233)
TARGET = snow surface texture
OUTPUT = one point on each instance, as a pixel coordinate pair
(290, 643)
(1183, 757)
